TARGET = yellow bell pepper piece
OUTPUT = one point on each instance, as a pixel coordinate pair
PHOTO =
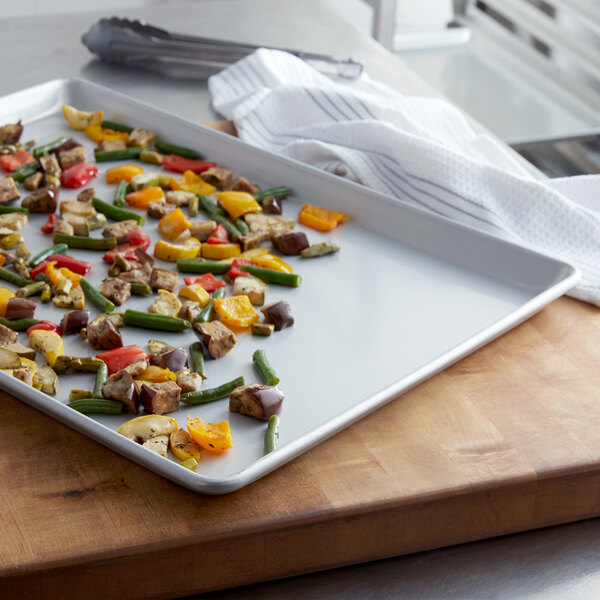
(236, 311)
(270, 261)
(49, 343)
(123, 173)
(183, 446)
(238, 203)
(54, 275)
(156, 374)
(99, 134)
(79, 119)
(196, 293)
(173, 252)
(190, 182)
(213, 437)
(5, 295)
(253, 253)
(74, 277)
(219, 251)
(173, 224)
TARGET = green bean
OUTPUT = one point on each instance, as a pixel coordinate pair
(279, 192)
(38, 259)
(101, 377)
(212, 394)
(209, 207)
(43, 277)
(43, 150)
(194, 265)
(264, 368)
(13, 209)
(97, 406)
(120, 193)
(197, 359)
(24, 171)
(18, 324)
(234, 232)
(178, 150)
(102, 303)
(13, 277)
(241, 225)
(137, 318)
(106, 124)
(272, 434)
(208, 312)
(125, 154)
(82, 241)
(140, 289)
(116, 213)
(289, 279)
(33, 289)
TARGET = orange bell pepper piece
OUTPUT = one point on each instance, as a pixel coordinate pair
(270, 261)
(238, 203)
(236, 311)
(99, 134)
(213, 437)
(319, 218)
(74, 277)
(173, 224)
(123, 173)
(2, 259)
(5, 295)
(56, 276)
(143, 197)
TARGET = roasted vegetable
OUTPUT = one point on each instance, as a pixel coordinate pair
(120, 386)
(75, 364)
(216, 337)
(183, 446)
(290, 242)
(264, 368)
(166, 303)
(141, 429)
(319, 218)
(254, 288)
(212, 394)
(95, 297)
(160, 398)
(213, 437)
(46, 380)
(255, 400)
(279, 314)
(272, 434)
(320, 249)
(49, 343)
(236, 311)
(287, 279)
(74, 299)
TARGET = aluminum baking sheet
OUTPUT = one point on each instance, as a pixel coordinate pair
(409, 294)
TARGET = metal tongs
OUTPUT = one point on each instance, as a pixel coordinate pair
(132, 41)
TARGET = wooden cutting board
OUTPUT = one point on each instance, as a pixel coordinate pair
(506, 440)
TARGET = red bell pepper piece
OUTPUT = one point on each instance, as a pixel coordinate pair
(179, 164)
(81, 267)
(78, 175)
(10, 162)
(137, 239)
(33, 273)
(235, 270)
(48, 227)
(118, 358)
(208, 281)
(47, 326)
(219, 235)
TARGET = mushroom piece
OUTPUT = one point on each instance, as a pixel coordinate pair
(11, 133)
(102, 334)
(116, 290)
(163, 279)
(8, 190)
(120, 229)
(256, 400)
(188, 381)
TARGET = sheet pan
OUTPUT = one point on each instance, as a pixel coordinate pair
(408, 294)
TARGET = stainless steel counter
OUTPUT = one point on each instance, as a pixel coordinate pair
(561, 562)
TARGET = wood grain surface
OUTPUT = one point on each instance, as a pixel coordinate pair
(506, 440)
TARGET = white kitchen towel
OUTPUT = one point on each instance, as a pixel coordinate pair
(420, 150)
